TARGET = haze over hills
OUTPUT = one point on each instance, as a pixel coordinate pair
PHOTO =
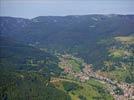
(67, 56)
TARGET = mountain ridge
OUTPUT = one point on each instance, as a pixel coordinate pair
(76, 34)
(69, 15)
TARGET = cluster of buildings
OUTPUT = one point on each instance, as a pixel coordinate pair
(128, 91)
(82, 76)
(87, 72)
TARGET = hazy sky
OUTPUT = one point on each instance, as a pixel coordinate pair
(34, 8)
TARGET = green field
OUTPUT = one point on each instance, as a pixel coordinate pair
(91, 90)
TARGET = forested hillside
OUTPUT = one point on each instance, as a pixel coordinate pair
(82, 57)
(72, 34)
(17, 56)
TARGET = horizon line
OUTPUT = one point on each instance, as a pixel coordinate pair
(62, 15)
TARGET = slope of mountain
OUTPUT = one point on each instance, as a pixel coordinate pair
(25, 72)
(17, 85)
(17, 56)
(74, 34)
(120, 63)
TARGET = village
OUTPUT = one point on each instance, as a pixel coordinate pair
(112, 85)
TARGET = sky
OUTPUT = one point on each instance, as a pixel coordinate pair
(34, 8)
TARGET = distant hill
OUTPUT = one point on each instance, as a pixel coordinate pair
(78, 35)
